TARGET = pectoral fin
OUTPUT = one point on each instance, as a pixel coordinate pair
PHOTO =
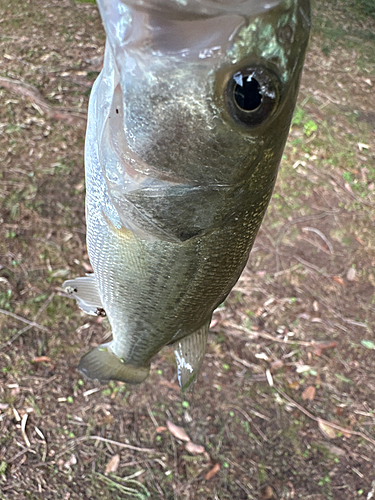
(86, 293)
(189, 353)
(102, 364)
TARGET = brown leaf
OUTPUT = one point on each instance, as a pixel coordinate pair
(195, 449)
(87, 267)
(170, 385)
(160, 429)
(323, 345)
(328, 431)
(294, 384)
(268, 493)
(309, 393)
(360, 241)
(177, 431)
(335, 450)
(211, 473)
(113, 464)
(40, 359)
(339, 280)
(276, 365)
(346, 433)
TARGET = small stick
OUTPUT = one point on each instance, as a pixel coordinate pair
(318, 419)
(24, 320)
(267, 336)
(34, 95)
(319, 233)
(75, 442)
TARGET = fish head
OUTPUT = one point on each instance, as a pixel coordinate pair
(205, 90)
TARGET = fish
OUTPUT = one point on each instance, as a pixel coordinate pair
(187, 124)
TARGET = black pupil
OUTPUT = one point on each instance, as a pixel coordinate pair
(248, 95)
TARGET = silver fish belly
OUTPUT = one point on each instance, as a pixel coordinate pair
(187, 124)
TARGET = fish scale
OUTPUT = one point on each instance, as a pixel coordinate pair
(179, 171)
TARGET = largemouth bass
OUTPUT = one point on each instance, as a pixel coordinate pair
(187, 124)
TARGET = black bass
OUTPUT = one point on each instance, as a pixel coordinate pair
(187, 124)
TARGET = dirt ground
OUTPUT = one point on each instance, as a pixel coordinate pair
(285, 404)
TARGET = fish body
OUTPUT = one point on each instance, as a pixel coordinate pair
(187, 124)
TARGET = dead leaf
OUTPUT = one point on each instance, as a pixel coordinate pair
(40, 359)
(335, 450)
(302, 368)
(328, 431)
(194, 449)
(346, 433)
(170, 385)
(360, 241)
(15, 390)
(211, 473)
(323, 345)
(269, 377)
(268, 493)
(113, 464)
(350, 275)
(160, 429)
(276, 365)
(294, 384)
(80, 186)
(309, 393)
(339, 280)
(87, 267)
(177, 431)
(72, 461)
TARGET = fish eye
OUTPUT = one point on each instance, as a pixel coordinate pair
(251, 95)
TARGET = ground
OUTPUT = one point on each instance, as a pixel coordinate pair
(284, 406)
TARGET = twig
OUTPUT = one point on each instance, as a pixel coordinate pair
(267, 336)
(335, 313)
(142, 495)
(44, 306)
(311, 266)
(31, 324)
(23, 429)
(286, 226)
(121, 445)
(34, 95)
(24, 320)
(18, 455)
(75, 442)
(15, 336)
(152, 416)
(322, 420)
(338, 183)
(250, 420)
(319, 233)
